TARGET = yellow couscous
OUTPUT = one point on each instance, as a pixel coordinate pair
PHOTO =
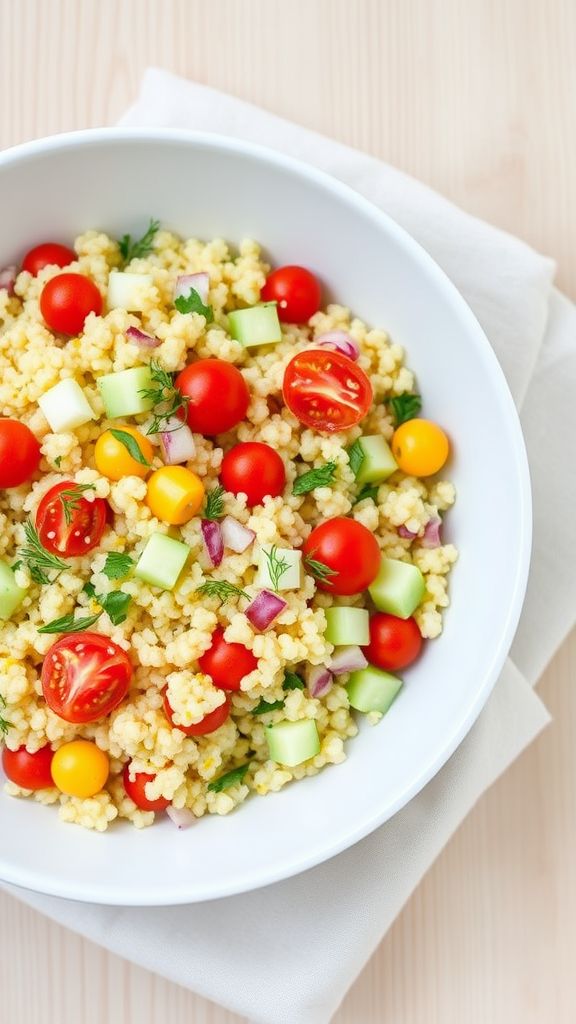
(150, 748)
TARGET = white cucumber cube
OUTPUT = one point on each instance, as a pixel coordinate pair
(347, 626)
(122, 392)
(162, 561)
(291, 743)
(398, 588)
(128, 291)
(289, 579)
(378, 462)
(258, 325)
(11, 595)
(65, 406)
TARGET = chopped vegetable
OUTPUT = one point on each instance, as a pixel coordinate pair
(200, 283)
(126, 393)
(404, 407)
(377, 462)
(214, 503)
(174, 494)
(138, 248)
(182, 817)
(346, 626)
(371, 689)
(71, 525)
(265, 607)
(232, 778)
(177, 442)
(141, 339)
(431, 537)
(162, 561)
(192, 303)
(40, 561)
(8, 277)
(325, 390)
(321, 477)
(11, 595)
(291, 743)
(117, 565)
(236, 536)
(292, 681)
(65, 406)
(85, 676)
(221, 589)
(347, 659)
(128, 291)
(212, 537)
(341, 341)
(319, 680)
(257, 325)
(279, 568)
(398, 588)
(264, 707)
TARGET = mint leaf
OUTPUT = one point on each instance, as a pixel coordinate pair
(131, 445)
(356, 456)
(405, 407)
(192, 303)
(264, 706)
(231, 778)
(115, 605)
(117, 565)
(368, 491)
(321, 477)
(292, 682)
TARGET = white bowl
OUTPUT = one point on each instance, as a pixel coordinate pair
(207, 186)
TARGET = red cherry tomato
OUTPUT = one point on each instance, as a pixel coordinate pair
(209, 723)
(49, 254)
(85, 676)
(254, 469)
(218, 395)
(346, 548)
(66, 301)
(67, 523)
(225, 663)
(296, 291)
(29, 771)
(19, 453)
(136, 790)
(394, 643)
(326, 390)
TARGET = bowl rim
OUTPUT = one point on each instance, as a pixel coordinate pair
(286, 868)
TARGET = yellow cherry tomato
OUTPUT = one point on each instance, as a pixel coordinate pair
(80, 769)
(420, 447)
(113, 458)
(174, 494)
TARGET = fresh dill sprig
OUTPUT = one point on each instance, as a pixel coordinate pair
(166, 398)
(277, 566)
(221, 589)
(70, 499)
(40, 561)
(131, 250)
(214, 503)
(319, 570)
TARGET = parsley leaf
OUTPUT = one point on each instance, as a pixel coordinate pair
(89, 589)
(68, 624)
(38, 559)
(57, 461)
(131, 445)
(214, 503)
(263, 707)
(115, 604)
(277, 566)
(319, 570)
(167, 398)
(221, 589)
(356, 456)
(321, 477)
(130, 250)
(70, 499)
(192, 303)
(4, 724)
(368, 491)
(117, 565)
(405, 407)
(231, 778)
(292, 682)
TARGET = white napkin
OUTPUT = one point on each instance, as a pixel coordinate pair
(287, 954)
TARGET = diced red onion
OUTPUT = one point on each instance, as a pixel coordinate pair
(431, 537)
(403, 531)
(319, 680)
(212, 535)
(199, 282)
(340, 340)
(347, 659)
(142, 340)
(265, 607)
(236, 536)
(8, 278)
(181, 816)
(177, 442)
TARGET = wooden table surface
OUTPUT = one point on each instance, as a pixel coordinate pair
(478, 99)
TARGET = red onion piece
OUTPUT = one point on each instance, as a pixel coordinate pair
(177, 442)
(182, 817)
(347, 659)
(340, 340)
(403, 531)
(212, 535)
(265, 607)
(319, 680)
(199, 282)
(236, 536)
(431, 537)
(142, 340)
(8, 278)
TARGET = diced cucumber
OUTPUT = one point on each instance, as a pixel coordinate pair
(121, 392)
(378, 462)
(372, 689)
(162, 561)
(258, 325)
(291, 577)
(347, 626)
(291, 743)
(65, 406)
(128, 291)
(11, 595)
(398, 588)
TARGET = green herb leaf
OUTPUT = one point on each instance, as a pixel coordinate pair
(263, 707)
(40, 561)
(130, 250)
(71, 498)
(214, 503)
(221, 589)
(167, 399)
(231, 778)
(356, 456)
(68, 624)
(17, 565)
(115, 604)
(57, 461)
(404, 407)
(277, 566)
(131, 445)
(292, 682)
(89, 589)
(192, 303)
(368, 491)
(321, 477)
(319, 570)
(4, 723)
(117, 565)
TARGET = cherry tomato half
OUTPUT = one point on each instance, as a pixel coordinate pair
(66, 301)
(136, 790)
(226, 663)
(208, 724)
(348, 549)
(29, 771)
(218, 394)
(85, 676)
(49, 254)
(19, 453)
(67, 523)
(326, 390)
(296, 291)
(254, 469)
(394, 643)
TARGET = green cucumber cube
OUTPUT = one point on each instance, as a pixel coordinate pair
(291, 743)
(258, 325)
(291, 578)
(372, 689)
(121, 392)
(347, 626)
(398, 588)
(378, 462)
(11, 595)
(162, 561)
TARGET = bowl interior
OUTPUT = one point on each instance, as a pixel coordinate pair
(208, 187)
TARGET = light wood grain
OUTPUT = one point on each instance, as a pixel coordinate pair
(477, 98)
